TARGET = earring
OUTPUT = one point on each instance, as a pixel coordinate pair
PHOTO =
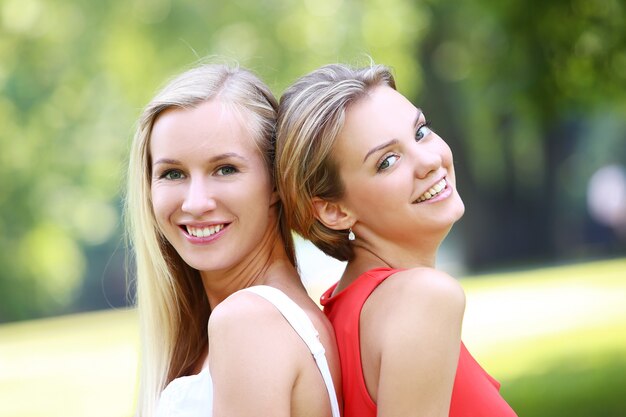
(351, 235)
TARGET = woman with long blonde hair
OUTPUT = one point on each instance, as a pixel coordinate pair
(363, 176)
(227, 326)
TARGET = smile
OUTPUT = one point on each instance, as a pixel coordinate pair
(204, 231)
(433, 191)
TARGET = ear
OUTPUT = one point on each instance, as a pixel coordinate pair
(332, 215)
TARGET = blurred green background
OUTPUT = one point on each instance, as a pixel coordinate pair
(530, 95)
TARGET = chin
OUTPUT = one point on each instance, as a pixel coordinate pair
(201, 263)
(460, 210)
(458, 207)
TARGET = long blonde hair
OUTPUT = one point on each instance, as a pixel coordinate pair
(310, 116)
(173, 308)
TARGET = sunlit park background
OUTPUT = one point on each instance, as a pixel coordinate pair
(530, 95)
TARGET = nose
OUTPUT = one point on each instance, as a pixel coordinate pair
(426, 161)
(199, 198)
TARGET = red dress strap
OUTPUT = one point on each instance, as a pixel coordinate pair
(344, 312)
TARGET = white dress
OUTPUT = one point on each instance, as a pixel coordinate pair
(192, 396)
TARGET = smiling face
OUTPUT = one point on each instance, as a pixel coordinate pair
(398, 174)
(211, 191)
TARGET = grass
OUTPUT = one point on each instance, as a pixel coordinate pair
(82, 365)
(554, 337)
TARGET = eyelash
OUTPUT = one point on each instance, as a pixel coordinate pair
(235, 170)
(379, 166)
(164, 174)
(423, 125)
(219, 172)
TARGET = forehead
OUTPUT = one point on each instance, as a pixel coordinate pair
(210, 127)
(382, 115)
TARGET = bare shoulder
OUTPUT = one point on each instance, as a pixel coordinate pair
(415, 300)
(411, 332)
(242, 312)
(253, 354)
(420, 290)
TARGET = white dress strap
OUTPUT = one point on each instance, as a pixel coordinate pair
(301, 323)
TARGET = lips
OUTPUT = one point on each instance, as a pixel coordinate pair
(433, 191)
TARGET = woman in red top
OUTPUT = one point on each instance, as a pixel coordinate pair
(366, 180)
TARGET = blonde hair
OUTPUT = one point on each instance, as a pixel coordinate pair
(172, 304)
(311, 114)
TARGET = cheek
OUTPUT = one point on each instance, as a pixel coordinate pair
(446, 152)
(449, 163)
(259, 200)
(363, 198)
(447, 158)
(261, 188)
(162, 203)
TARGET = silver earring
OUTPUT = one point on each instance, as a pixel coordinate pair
(351, 235)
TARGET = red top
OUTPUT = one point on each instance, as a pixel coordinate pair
(474, 394)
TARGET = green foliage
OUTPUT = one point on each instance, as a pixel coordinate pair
(502, 82)
(523, 91)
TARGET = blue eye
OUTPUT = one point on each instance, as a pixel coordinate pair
(226, 170)
(387, 162)
(172, 174)
(422, 132)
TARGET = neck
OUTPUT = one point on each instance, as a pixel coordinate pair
(266, 264)
(374, 252)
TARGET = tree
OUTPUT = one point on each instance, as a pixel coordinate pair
(517, 88)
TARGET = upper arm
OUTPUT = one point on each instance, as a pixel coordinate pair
(419, 336)
(251, 359)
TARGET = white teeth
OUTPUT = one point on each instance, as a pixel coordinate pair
(205, 231)
(436, 189)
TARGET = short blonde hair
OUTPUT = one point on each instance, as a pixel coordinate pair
(172, 304)
(310, 116)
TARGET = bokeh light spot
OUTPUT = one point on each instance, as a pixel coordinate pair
(54, 260)
(606, 196)
(21, 16)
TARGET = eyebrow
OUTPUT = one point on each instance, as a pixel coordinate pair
(166, 161)
(379, 147)
(216, 158)
(227, 155)
(392, 141)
